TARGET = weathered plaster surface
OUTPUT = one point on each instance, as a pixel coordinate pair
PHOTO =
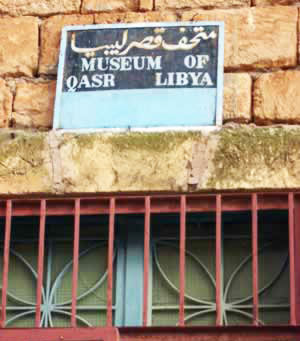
(25, 163)
(234, 158)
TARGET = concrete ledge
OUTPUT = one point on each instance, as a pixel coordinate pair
(234, 158)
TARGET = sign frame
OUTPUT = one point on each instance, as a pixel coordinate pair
(219, 89)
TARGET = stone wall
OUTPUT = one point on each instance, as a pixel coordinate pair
(233, 158)
(262, 80)
(262, 88)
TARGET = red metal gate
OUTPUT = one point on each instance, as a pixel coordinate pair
(147, 205)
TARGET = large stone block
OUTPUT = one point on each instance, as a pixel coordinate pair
(187, 4)
(256, 37)
(127, 161)
(229, 159)
(19, 46)
(39, 7)
(33, 105)
(277, 97)
(50, 38)
(275, 2)
(6, 99)
(131, 17)
(235, 158)
(91, 6)
(146, 5)
(237, 97)
(298, 35)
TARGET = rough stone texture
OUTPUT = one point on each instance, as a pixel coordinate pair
(50, 38)
(256, 37)
(130, 17)
(90, 6)
(161, 157)
(25, 163)
(275, 2)
(256, 158)
(233, 158)
(33, 105)
(6, 99)
(277, 98)
(38, 7)
(146, 5)
(237, 97)
(229, 159)
(19, 46)
(299, 36)
(187, 4)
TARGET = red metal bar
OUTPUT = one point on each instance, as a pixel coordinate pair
(236, 333)
(6, 261)
(40, 263)
(75, 261)
(292, 259)
(255, 260)
(219, 288)
(182, 259)
(212, 333)
(111, 234)
(60, 334)
(146, 258)
(159, 204)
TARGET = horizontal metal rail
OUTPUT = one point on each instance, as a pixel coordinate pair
(136, 204)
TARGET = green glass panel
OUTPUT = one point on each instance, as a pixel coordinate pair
(236, 318)
(61, 321)
(237, 269)
(168, 261)
(57, 284)
(165, 318)
(236, 256)
(275, 316)
(94, 318)
(200, 270)
(200, 318)
(62, 254)
(16, 320)
(273, 265)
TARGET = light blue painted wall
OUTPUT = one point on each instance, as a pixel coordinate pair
(130, 269)
(138, 108)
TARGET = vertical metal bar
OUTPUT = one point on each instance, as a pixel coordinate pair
(255, 260)
(292, 259)
(8, 215)
(182, 259)
(111, 233)
(146, 258)
(75, 261)
(40, 263)
(219, 318)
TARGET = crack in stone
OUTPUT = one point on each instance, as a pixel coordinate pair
(55, 159)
